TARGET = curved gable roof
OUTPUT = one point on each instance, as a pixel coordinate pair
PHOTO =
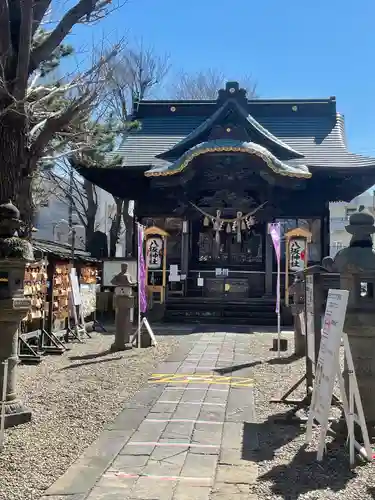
(262, 135)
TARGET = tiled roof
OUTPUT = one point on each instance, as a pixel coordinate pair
(60, 250)
(321, 139)
(197, 134)
(229, 145)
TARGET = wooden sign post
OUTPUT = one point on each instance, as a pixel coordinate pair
(326, 371)
(297, 241)
(156, 261)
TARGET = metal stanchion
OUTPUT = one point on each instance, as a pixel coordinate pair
(3, 401)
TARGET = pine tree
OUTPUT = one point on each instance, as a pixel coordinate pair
(33, 116)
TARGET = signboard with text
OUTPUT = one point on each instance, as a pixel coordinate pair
(154, 252)
(297, 254)
(296, 260)
(327, 371)
(328, 359)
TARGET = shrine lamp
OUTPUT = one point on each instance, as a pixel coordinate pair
(297, 254)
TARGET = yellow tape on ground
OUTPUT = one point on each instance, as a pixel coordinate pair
(199, 378)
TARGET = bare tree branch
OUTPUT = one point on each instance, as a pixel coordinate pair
(73, 16)
(133, 75)
(206, 84)
(40, 9)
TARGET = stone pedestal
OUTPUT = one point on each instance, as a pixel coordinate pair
(15, 411)
(123, 323)
(14, 253)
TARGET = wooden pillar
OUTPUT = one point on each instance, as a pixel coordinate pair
(268, 264)
(185, 244)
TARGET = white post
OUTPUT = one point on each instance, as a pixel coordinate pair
(351, 419)
(3, 402)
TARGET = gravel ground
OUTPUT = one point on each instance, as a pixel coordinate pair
(72, 397)
(288, 470)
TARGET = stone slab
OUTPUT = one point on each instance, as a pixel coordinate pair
(129, 464)
(191, 492)
(65, 497)
(80, 478)
(234, 474)
(152, 489)
(179, 430)
(169, 454)
(187, 412)
(164, 408)
(232, 435)
(105, 493)
(83, 474)
(210, 435)
(128, 419)
(231, 491)
(149, 431)
(168, 367)
(240, 407)
(110, 482)
(164, 468)
(195, 395)
(137, 449)
(215, 414)
(145, 397)
(199, 466)
(180, 354)
(235, 457)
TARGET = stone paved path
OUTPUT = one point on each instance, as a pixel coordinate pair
(183, 437)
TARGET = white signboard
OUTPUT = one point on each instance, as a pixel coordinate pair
(173, 269)
(297, 254)
(154, 252)
(310, 326)
(174, 275)
(326, 367)
(174, 278)
(76, 294)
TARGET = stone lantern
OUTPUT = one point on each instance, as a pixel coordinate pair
(356, 265)
(124, 302)
(15, 252)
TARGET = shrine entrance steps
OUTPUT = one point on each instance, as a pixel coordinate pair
(251, 312)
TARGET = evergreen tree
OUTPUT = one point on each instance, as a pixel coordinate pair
(34, 117)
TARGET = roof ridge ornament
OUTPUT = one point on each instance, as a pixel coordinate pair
(232, 90)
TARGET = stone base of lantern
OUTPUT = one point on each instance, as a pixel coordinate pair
(16, 414)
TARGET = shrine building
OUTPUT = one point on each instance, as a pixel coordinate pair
(213, 174)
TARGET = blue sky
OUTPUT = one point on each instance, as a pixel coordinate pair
(293, 48)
